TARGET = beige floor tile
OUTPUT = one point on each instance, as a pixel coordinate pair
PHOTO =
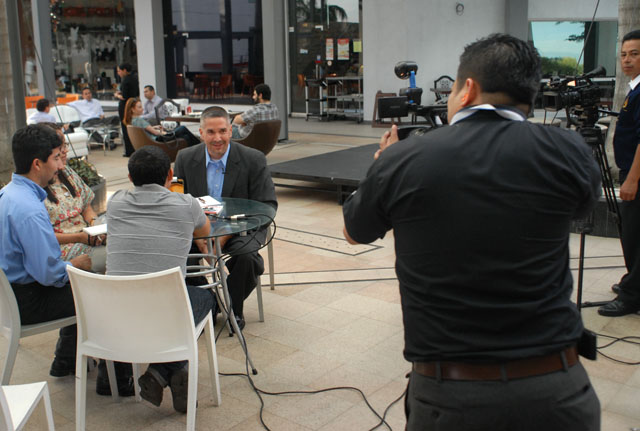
(610, 370)
(291, 308)
(319, 294)
(357, 304)
(328, 319)
(303, 367)
(272, 421)
(350, 375)
(625, 402)
(311, 411)
(614, 422)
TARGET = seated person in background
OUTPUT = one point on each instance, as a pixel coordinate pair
(151, 101)
(263, 110)
(133, 117)
(88, 108)
(219, 168)
(92, 115)
(29, 251)
(69, 206)
(150, 230)
(42, 115)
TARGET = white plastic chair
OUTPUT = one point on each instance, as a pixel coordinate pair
(18, 401)
(79, 139)
(13, 330)
(140, 319)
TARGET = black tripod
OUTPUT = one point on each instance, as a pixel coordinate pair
(593, 137)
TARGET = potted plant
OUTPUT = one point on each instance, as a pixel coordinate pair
(97, 182)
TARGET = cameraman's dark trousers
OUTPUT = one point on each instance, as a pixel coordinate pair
(453, 396)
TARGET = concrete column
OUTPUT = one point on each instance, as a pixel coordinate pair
(275, 57)
(40, 11)
(12, 115)
(150, 44)
(516, 18)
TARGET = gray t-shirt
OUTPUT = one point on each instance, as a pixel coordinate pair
(150, 229)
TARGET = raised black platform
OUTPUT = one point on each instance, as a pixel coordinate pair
(340, 171)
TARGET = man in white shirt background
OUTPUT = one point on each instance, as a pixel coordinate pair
(87, 107)
(92, 115)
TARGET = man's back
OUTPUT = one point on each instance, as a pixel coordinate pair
(481, 212)
(256, 114)
(150, 229)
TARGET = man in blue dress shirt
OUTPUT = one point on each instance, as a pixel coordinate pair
(29, 251)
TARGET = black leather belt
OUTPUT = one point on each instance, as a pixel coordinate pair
(516, 369)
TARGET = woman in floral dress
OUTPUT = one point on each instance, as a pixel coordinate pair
(69, 205)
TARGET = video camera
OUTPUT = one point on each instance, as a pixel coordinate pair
(578, 95)
(408, 101)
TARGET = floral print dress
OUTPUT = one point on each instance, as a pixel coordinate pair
(66, 215)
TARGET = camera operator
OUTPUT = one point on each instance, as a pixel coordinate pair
(625, 148)
(480, 212)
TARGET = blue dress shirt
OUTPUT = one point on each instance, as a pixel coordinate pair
(215, 173)
(29, 250)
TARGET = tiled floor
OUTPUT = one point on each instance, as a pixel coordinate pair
(333, 319)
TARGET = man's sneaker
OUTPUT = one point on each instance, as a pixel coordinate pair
(125, 387)
(179, 389)
(150, 389)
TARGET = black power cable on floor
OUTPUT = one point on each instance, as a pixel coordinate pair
(259, 392)
(614, 340)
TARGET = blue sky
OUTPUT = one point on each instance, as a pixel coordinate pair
(551, 38)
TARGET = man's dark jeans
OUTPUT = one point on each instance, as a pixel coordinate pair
(202, 301)
(38, 303)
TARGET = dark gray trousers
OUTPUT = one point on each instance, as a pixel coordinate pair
(563, 401)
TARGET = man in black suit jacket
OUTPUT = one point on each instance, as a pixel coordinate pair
(221, 168)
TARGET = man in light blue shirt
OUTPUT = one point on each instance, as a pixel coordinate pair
(29, 251)
(215, 173)
(151, 101)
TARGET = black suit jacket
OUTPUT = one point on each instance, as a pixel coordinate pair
(246, 174)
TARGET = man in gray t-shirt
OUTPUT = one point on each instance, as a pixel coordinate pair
(150, 230)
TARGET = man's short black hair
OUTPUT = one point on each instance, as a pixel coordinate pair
(264, 90)
(149, 165)
(501, 63)
(632, 35)
(125, 66)
(150, 87)
(36, 141)
(42, 104)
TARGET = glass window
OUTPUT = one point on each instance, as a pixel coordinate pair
(89, 40)
(213, 49)
(325, 39)
(561, 46)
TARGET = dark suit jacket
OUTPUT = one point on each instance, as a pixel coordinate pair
(246, 176)
(129, 88)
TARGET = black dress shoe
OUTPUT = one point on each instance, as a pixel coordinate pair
(61, 367)
(618, 308)
(125, 387)
(180, 389)
(240, 322)
(615, 288)
(150, 389)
